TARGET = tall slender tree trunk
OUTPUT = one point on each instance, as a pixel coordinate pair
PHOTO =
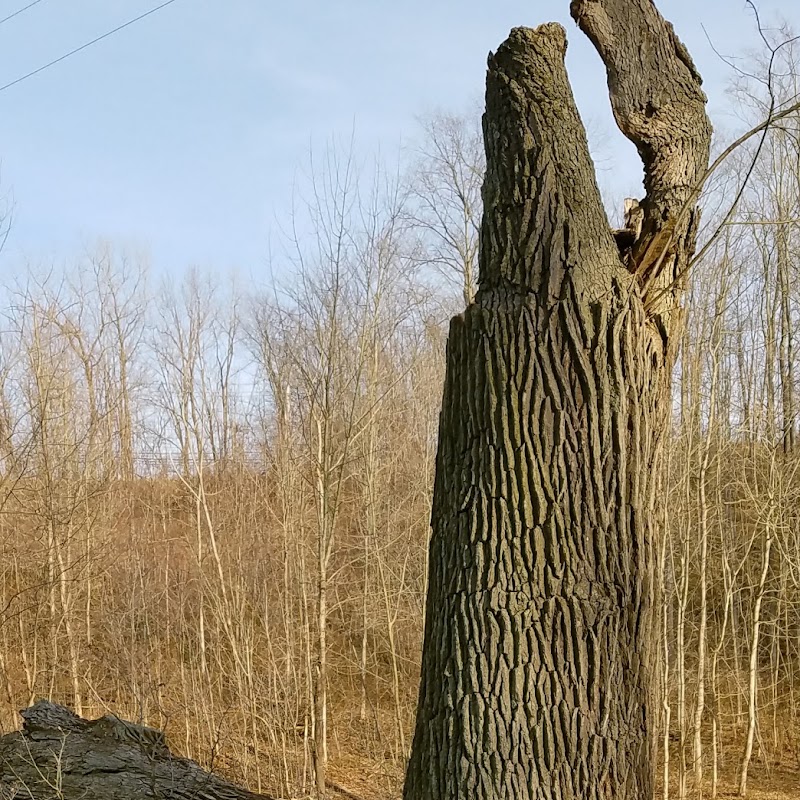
(324, 534)
(703, 520)
(786, 349)
(666, 723)
(680, 647)
(752, 688)
(537, 649)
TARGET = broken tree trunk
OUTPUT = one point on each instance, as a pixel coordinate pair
(59, 756)
(536, 658)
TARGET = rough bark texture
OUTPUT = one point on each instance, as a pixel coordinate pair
(659, 105)
(59, 756)
(536, 676)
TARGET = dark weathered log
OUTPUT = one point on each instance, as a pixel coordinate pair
(59, 755)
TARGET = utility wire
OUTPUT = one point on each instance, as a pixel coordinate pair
(88, 44)
(17, 13)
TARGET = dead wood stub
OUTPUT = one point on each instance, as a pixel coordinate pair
(57, 754)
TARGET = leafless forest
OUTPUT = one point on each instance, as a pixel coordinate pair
(216, 493)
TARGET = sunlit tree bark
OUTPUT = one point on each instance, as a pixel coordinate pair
(536, 660)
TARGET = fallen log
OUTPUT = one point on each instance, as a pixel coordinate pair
(60, 756)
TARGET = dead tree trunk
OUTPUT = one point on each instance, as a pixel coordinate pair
(536, 663)
(59, 756)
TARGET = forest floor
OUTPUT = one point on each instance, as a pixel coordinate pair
(371, 780)
(356, 770)
(782, 782)
(357, 779)
(778, 779)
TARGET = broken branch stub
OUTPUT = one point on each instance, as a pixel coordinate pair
(659, 105)
(543, 218)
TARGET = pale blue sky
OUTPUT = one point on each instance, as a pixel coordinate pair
(183, 133)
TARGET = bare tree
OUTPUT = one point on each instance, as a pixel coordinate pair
(445, 204)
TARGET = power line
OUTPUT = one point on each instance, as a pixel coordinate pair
(17, 13)
(88, 44)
